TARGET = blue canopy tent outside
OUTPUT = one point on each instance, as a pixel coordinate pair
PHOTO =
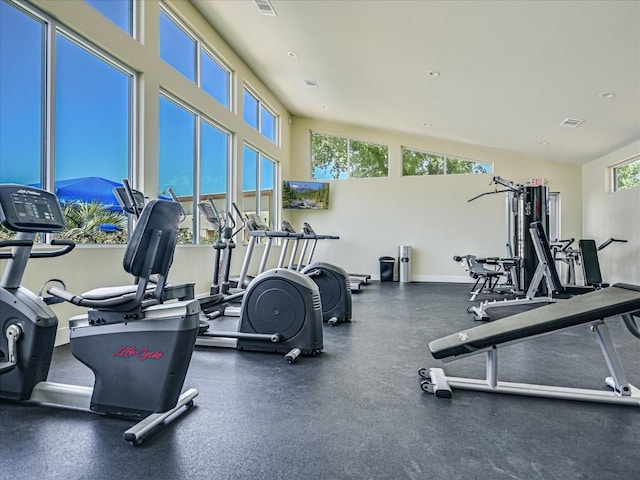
(88, 189)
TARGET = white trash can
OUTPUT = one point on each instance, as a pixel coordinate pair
(404, 263)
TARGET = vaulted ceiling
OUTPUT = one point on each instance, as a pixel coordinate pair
(501, 74)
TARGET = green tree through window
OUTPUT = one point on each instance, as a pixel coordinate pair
(416, 163)
(627, 175)
(339, 157)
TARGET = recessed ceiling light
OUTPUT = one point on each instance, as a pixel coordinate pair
(544, 143)
(434, 73)
(608, 95)
(325, 107)
(426, 124)
(292, 54)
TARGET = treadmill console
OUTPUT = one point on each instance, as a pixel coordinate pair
(286, 227)
(210, 214)
(255, 223)
(125, 202)
(29, 209)
(306, 228)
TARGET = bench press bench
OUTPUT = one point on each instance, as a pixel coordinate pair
(588, 310)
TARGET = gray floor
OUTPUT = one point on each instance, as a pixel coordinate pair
(355, 412)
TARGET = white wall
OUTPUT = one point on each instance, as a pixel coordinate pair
(431, 213)
(609, 214)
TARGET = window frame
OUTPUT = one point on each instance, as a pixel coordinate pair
(348, 153)
(260, 105)
(258, 191)
(613, 169)
(199, 117)
(445, 157)
(200, 48)
(51, 29)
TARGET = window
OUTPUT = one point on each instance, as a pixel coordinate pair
(267, 123)
(92, 141)
(21, 96)
(415, 162)
(215, 79)
(176, 158)
(339, 157)
(258, 185)
(119, 12)
(87, 114)
(190, 143)
(214, 168)
(92, 120)
(258, 116)
(627, 174)
(177, 47)
(250, 109)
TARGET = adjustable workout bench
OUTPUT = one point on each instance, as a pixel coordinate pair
(586, 310)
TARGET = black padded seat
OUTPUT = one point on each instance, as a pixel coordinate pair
(616, 300)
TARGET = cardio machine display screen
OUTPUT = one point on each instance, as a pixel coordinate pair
(28, 210)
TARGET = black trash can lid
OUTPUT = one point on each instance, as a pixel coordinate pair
(386, 259)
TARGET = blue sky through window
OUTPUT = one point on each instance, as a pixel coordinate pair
(177, 48)
(250, 109)
(249, 169)
(118, 11)
(214, 154)
(177, 141)
(21, 82)
(92, 120)
(214, 79)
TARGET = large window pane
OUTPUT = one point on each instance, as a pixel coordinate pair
(415, 162)
(339, 157)
(328, 156)
(214, 79)
(176, 159)
(119, 12)
(92, 121)
(21, 87)
(92, 141)
(421, 163)
(214, 161)
(267, 124)
(368, 160)
(627, 175)
(267, 183)
(176, 47)
(457, 166)
(250, 109)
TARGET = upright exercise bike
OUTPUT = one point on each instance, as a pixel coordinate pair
(138, 348)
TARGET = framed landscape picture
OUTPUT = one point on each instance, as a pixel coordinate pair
(305, 195)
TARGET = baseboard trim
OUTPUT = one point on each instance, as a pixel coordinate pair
(437, 278)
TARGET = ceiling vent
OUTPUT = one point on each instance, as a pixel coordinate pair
(265, 8)
(571, 122)
(311, 83)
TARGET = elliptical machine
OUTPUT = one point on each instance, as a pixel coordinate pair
(333, 281)
(281, 310)
(138, 348)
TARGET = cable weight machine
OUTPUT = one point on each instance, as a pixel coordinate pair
(524, 204)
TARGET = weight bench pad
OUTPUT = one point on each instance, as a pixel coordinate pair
(616, 300)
